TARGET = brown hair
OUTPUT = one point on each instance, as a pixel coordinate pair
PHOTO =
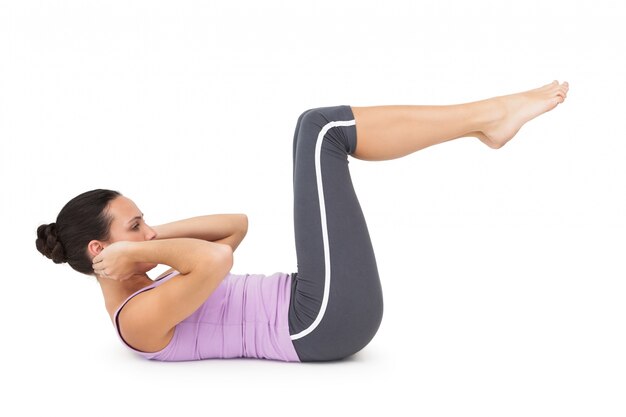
(83, 219)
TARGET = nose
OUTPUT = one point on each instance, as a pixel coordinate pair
(151, 234)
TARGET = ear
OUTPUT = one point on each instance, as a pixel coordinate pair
(95, 247)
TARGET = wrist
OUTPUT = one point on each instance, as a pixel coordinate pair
(159, 231)
(134, 252)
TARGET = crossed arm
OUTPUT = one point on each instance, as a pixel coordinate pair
(229, 229)
(199, 248)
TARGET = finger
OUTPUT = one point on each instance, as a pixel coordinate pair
(103, 273)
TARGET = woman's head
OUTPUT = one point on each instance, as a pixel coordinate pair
(87, 224)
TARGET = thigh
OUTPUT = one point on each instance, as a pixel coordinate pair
(336, 304)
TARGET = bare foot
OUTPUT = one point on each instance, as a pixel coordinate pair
(512, 111)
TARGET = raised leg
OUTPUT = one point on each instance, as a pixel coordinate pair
(336, 303)
(389, 132)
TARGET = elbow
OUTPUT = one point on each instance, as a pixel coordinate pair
(223, 257)
(227, 258)
(240, 232)
(244, 224)
(215, 258)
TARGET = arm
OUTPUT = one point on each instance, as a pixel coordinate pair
(229, 229)
(202, 266)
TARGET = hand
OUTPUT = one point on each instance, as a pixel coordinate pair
(114, 262)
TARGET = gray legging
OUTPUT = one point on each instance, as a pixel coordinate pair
(336, 298)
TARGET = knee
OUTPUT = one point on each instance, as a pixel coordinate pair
(321, 116)
(312, 118)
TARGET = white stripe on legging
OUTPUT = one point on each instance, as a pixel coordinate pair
(320, 195)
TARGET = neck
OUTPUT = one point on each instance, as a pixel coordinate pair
(115, 292)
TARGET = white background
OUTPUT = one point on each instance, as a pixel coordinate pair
(502, 270)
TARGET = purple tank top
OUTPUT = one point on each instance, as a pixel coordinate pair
(246, 316)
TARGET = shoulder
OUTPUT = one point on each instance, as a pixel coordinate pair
(140, 326)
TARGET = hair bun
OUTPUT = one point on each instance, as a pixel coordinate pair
(48, 243)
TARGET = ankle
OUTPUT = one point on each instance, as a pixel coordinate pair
(489, 113)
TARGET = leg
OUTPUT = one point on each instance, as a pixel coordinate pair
(388, 132)
(336, 301)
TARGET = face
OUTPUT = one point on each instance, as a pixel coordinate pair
(128, 224)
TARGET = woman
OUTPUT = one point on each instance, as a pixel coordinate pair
(332, 307)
